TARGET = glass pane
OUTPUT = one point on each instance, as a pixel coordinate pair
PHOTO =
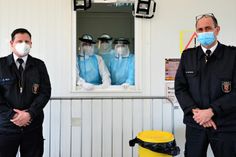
(117, 22)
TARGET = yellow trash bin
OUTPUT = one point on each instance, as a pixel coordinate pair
(155, 143)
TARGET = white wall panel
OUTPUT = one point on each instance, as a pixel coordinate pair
(107, 119)
(47, 130)
(55, 129)
(86, 128)
(98, 127)
(117, 128)
(76, 131)
(137, 121)
(65, 128)
(157, 116)
(127, 107)
(147, 114)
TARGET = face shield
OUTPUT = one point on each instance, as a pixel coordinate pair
(122, 50)
(87, 48)
(104, 46)
(86, 45)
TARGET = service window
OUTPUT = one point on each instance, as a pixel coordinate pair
(105, 56)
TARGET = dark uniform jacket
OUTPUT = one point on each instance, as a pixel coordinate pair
(200, 84)
(35, 95)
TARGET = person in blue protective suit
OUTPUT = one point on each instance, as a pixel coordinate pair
(105, 48)
(91, 69)
(122, 64)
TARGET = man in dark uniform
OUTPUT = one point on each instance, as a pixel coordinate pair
(205, 86)
(24, 91)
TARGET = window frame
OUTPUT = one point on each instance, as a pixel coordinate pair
(138, 46)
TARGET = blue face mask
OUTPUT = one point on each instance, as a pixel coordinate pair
(206, 38)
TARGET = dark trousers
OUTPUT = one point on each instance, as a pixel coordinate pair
(30, 144)
(197, 141)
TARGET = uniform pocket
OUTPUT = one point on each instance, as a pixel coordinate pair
(192, 77)
(7, 84)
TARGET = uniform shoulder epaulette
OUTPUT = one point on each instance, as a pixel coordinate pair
(233, 48)
(189, 49)
(3, 58)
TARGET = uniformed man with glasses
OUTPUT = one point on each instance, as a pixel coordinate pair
(205, 86)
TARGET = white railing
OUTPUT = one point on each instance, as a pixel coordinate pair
(102, 126)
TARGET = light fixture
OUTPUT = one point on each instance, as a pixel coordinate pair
(82, 4)
(144, 9)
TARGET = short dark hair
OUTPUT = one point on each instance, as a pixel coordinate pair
(21, 31)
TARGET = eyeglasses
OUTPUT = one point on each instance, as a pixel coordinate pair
(204, 15)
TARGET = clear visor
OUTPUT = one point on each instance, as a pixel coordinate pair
(122, 50)
(87, 48)
(104, 46)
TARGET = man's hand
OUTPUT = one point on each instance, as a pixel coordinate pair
(21, 118)
(209, 124)
(202, 116)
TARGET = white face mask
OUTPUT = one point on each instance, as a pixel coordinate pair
(22, 49)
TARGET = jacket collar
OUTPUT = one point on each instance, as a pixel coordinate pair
(30, 61)
(10, 60)
(217, 53)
